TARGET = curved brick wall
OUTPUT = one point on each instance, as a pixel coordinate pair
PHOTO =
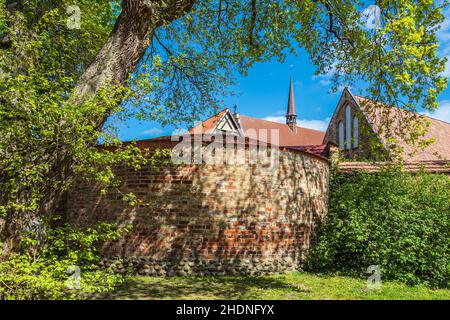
(212, 219)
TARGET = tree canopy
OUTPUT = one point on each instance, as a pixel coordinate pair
(171, 61)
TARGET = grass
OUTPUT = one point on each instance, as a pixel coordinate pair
(293, 286)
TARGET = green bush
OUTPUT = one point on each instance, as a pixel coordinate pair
(47, 270)
(396, 220)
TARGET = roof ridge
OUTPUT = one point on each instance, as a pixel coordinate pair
(279, 123)
(357, 96)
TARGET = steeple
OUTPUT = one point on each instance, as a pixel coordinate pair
(291, 115)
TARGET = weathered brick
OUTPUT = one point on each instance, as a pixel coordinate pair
(185, 214)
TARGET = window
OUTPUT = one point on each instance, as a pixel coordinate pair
(348, 127)
(355, 132)
(341, 135)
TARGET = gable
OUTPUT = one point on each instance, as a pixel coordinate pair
(351, 131)
(331, 133)
(228, 124)
(346, 100)
(219, 120)
(370, 129)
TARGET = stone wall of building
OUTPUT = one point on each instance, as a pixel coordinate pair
(367, 148)
(211, 219)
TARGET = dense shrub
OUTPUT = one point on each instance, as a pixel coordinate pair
(397, 220)
(47, 270)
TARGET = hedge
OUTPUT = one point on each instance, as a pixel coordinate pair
(399, 221)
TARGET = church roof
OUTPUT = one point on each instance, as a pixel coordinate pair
(433, 166)
(251, 125)
(438, 130)
(320, 149)
(288, 138)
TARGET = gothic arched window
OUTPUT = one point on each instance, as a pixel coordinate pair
(341, 135)
(355, 132)
(348, 127)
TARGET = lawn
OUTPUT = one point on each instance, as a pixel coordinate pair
(292, 286)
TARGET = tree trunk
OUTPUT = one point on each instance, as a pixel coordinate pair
(116, 61)
(132, 35)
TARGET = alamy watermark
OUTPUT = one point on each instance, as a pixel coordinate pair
(74, 280)
(74, 18)
(247, 148)
(374, 280)
(371, 17)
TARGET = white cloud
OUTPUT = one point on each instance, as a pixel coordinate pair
(280, 119)
(324, 79)
(321, 125)
(442, 113)
(325, 82)
(151, 132)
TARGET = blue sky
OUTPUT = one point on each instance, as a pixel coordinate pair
(264, 93)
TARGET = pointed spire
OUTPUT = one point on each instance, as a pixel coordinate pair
(291, 102)
(291, 115)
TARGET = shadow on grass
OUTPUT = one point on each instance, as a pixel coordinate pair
(199, 288)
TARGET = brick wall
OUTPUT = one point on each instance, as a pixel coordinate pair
(212, 219)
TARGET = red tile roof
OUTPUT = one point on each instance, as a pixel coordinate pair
(168, 142)
(209, 124)
(436, 166)
(287, 138)
(303, 136)
(439, 130)
(321, 149)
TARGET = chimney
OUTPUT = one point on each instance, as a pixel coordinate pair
(291, 115)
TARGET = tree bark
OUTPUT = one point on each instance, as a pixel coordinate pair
(115, 62)
(118, 58)
(130, 38)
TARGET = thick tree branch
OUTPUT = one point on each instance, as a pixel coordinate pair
(130, 38)
(252, 24)
(132, 35)
(331, 28)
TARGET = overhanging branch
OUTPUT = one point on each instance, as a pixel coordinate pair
(331, 26)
